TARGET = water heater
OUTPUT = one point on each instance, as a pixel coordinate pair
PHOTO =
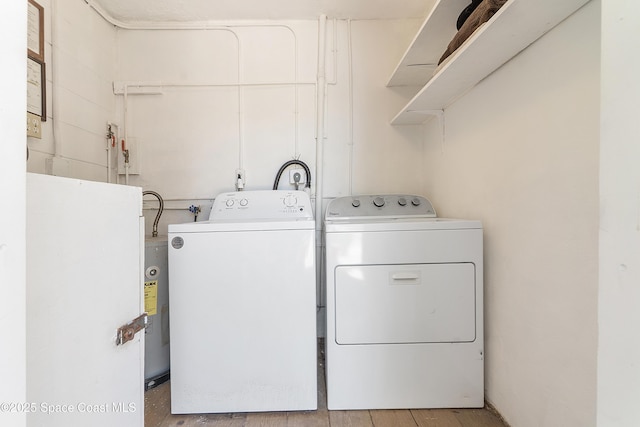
(156, 299)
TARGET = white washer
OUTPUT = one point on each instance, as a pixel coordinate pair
(243, 306)
(404, 306)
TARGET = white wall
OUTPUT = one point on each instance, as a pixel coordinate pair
(191, 140)
(619, 293)
(364, 154)
(520, 153)
(188, 142)
(13, 107)
(80, 57)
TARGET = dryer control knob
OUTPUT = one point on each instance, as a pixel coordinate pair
(402, 201)
(355, 203)
(415, 201)
(229, 202)
(378, 201)
(244, 202)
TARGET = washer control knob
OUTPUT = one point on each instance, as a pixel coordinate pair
(290, 201)
(378, 201)
(402, 201)
(415, 201)
(229, 203)
(355, 203)
(244, 202)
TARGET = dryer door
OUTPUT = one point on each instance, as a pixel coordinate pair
(408, 303)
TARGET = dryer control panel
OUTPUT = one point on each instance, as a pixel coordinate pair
(380, 206)
(265, 204)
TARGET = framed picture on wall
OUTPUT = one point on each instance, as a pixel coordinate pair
(36, 90)
(35, 31)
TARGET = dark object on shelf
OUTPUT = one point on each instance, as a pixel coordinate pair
(467, 12)
(485, 10)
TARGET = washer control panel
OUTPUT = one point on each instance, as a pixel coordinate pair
(266, 204)
(387, 206)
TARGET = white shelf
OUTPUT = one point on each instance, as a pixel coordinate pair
(421, 58)
(516, 25)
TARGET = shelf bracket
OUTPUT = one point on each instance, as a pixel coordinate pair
(439, 115)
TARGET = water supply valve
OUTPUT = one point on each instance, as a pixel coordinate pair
(195, 210)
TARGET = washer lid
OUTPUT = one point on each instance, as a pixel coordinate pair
(379, 207)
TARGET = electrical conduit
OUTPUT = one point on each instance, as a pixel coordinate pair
(55, 80)
(321, 88)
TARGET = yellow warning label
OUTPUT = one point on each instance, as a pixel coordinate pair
(151, 297)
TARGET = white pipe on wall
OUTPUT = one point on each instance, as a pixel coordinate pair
(321, 89)
(55, 81)
(125, 129)
(109, 162)
(350, 66)
(334, 53)
(163, 84)
(240, 108)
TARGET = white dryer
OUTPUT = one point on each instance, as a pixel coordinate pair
(243, 306)
(404, 306)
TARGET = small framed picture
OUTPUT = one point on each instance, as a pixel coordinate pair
(36, 90)
(35, 31)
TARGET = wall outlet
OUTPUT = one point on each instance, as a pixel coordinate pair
(34, 126)
(297, 176)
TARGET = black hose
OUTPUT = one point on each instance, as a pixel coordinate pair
(155, 222)
(289, 163)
